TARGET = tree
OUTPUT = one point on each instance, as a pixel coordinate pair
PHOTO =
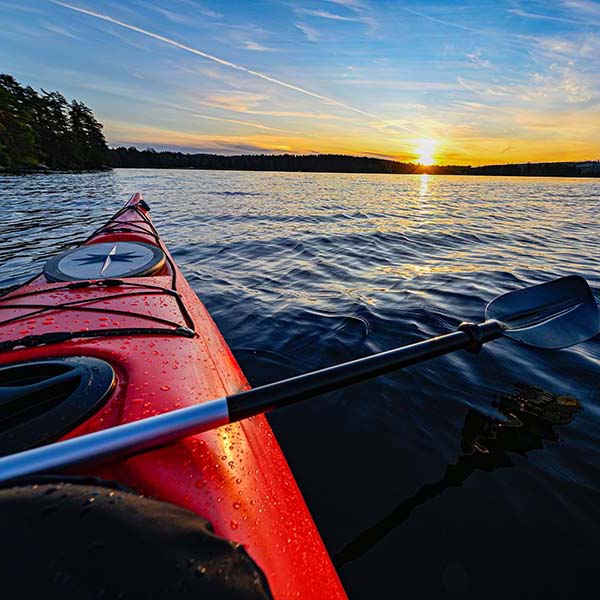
(45, 129)
(17, 139)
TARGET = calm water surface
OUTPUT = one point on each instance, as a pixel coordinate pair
(467, 477)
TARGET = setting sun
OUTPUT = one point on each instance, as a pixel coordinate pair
(424, 152)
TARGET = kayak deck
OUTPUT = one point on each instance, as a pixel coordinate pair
(167, 353)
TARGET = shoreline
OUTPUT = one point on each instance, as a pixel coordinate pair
(21, 172)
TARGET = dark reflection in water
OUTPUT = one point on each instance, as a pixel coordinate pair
(301, 271)
(487, 443)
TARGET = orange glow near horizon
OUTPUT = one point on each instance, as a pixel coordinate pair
(454, 148)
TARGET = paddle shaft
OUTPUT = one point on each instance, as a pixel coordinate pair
(139, 436)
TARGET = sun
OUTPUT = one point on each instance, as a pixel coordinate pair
(424, 152)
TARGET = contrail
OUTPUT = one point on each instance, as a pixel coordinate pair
(220, 61)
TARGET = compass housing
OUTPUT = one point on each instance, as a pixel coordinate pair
(106, 260)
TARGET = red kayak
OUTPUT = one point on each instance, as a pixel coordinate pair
(110, 333)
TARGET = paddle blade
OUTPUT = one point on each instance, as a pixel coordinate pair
(556, 314)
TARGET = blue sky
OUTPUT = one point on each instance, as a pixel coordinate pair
(471, 82)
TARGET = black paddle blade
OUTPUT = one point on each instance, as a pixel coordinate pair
(556, 314)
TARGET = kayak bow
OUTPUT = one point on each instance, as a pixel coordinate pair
(112, 333)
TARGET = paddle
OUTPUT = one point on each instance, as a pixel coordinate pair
(552, 315)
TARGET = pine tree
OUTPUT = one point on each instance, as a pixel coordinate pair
(17, 138)
(45, 129)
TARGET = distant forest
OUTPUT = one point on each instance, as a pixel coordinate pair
(334, 163)
(43, 131)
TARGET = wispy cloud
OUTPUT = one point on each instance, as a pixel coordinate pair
(200, 9)
(239, 122)
(13, 6)
(181, 19)
(58, 30)
(238, 101)
(125, 133)
(352, 4)
(256, 47)
(561, 80)
(542, 17)
(476, 58)
(221, 61)
(248, 103)
(312, 34)
(324, 14)
(556, 85)
(406, 85)
(437, 20)
(587, 7)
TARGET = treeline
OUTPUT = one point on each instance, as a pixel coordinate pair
(43, 130)
(331, 163)
(334, 163)
(315, 163)
(553, 169)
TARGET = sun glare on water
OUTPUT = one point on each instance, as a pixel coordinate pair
(424, 152)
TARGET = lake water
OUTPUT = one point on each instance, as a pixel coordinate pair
(465, 477)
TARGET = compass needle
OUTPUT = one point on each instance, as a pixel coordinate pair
(108, 259)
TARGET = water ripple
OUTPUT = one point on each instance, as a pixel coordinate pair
(302, 271)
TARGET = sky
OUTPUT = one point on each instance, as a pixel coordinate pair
(446, 82)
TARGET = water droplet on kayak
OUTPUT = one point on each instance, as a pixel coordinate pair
(234, 524)
(237, 505)
(199, 484)
(165, 388)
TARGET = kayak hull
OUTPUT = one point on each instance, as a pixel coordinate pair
(235, 476)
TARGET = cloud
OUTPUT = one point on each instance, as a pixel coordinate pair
(238, 101)
(584, 6)
(256, 47)
(523, 13)
(557, 85)
(221, 61)
(238, 122)
(475, 58)
(312, 34)
(207, 12)
(53, 28)
(248, 103)
(169, 14)
(483, 89)
(424, 86)
(441, 21)
(351, 4)
(127, 133)
(561, 81)
(299, 115)
(13, 6)
(324, 14)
